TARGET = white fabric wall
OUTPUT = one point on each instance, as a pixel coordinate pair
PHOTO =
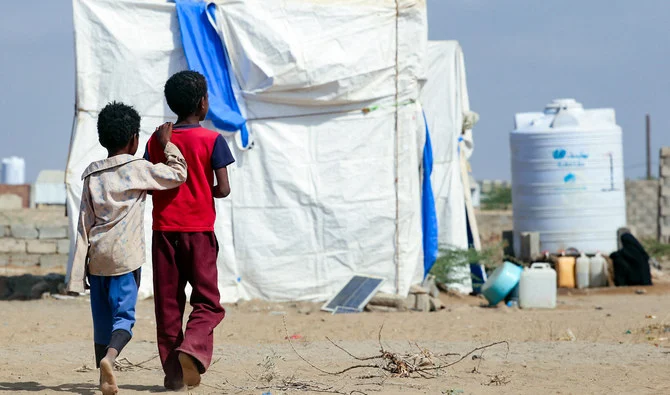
(445, 99)
(304, 57)
(444, 104)
(315, 200)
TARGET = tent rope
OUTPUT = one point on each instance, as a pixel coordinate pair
(364, 110)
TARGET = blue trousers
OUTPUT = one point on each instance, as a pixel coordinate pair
(113, 300)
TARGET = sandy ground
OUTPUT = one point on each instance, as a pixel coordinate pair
(609, 341)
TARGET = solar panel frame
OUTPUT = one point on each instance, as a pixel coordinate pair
(353, 292)
(345, 310)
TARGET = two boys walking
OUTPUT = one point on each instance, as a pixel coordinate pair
(178, 169)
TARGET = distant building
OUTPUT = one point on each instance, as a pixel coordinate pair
(49, 189)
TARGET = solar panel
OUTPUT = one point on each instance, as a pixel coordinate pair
(354, 295)
(345, 310)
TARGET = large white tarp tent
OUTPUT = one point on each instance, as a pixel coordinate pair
(333, 103)
(445, 101)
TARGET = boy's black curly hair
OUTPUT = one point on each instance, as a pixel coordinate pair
(183, 92)
(117, 124)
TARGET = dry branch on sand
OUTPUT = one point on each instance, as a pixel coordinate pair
(124, 365)
(291, 384)
(423, 364)
(84, 369)
(498, 380)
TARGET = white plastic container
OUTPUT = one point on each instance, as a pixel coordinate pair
(537, 287)
(582, 271)
(13, 171)
(598, 271)
(568, 178)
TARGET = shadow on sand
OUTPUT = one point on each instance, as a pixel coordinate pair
(77, 388)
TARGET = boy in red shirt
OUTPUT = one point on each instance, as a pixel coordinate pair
(184, 247)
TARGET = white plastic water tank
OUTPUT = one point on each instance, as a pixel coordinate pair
(13, 171)
(567, 177)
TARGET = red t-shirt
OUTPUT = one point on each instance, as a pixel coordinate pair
(190, 207)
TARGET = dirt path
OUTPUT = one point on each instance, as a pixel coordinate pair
(620, 346)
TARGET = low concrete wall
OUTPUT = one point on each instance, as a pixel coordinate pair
(33, 241)
(664, 197)
(491, 224)
(642, 200)
(8, 194)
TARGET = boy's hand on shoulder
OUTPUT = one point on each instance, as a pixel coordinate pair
(164, 133)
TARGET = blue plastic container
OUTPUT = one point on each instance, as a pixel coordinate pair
(512, 299)
(501, 283)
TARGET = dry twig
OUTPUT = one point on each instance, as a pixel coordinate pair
(124, 365)
(290, 384)
(84, 369)
(318, 368)
(467, 355)
(399, 365)
(498, 380)
(350, 354)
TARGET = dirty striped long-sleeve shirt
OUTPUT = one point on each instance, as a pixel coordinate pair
(110, 234)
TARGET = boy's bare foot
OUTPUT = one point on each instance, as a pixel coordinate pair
(107, 379)
(189, 370)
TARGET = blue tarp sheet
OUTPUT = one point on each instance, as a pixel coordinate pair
(206, 54)
(428, 213)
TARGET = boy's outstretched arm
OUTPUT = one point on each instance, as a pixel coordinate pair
(86, 222)
(168, 175)
(222, 187)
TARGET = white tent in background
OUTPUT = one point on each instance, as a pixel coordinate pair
(446, 104)
(334, 105)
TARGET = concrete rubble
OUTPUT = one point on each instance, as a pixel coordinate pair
(421, 298)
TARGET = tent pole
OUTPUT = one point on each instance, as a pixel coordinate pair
(397, 150)
(472, 218)
(648, 132)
